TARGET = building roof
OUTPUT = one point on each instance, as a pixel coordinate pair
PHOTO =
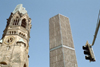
(20, 8)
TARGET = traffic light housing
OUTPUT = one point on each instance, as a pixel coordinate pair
(88, 52)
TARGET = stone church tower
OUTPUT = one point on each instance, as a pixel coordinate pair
(14, 45)
(62, 52)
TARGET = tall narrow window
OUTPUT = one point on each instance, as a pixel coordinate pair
(23, 23)
(9, 32)
(17, 19)
(14, 32)
(24, 65)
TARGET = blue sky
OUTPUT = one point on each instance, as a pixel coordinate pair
(82, 14)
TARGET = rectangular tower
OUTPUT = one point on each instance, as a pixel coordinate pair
(62, 52)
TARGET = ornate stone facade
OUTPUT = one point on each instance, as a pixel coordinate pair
(14, 45)
(62, 52)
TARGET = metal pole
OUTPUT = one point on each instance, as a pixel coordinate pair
(97, 28)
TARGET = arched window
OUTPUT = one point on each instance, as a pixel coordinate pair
(16, 21)
(22, 35)
(9, 32)
(12, 32)
(23, 23)
(3, 63)
(24, 65)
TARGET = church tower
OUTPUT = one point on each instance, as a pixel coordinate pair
(14, 44)
(62, 52)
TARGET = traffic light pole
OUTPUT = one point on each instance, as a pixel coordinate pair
(88, 51)
(97, 28)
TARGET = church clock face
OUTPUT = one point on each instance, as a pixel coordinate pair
(9, 40)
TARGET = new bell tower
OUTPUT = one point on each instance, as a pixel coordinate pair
(14, 44)
(62, 52)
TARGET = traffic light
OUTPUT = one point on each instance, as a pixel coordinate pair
(88, 52)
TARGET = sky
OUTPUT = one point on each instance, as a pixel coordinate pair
(83, 15)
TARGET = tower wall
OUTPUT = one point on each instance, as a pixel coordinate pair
(15, 40)
(62, 52)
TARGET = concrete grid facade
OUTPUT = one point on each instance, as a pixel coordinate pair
(62, 52)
